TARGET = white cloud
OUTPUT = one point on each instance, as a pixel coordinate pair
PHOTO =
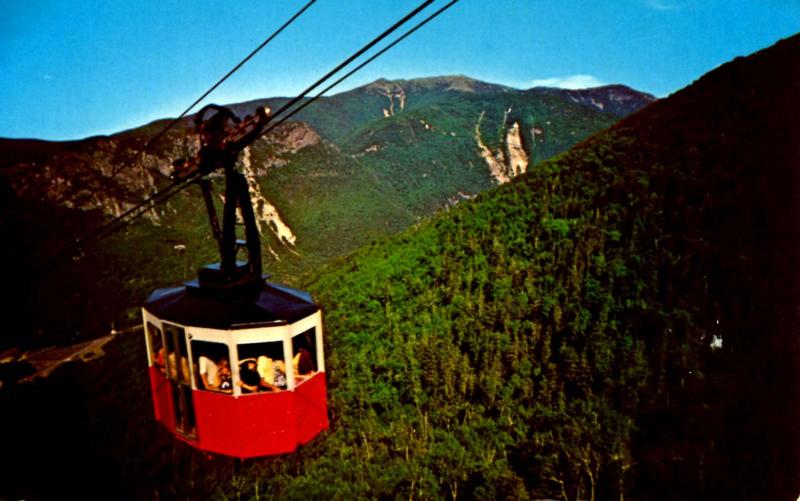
(568, 82)
(47, 77)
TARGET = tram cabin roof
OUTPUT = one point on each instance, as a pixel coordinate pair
(270, 304)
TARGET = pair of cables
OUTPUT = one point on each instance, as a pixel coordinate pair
(285, 112)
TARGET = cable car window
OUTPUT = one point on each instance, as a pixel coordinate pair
(304, 354)
(211, 362)
(177, 354)
(178, 371)
(156, 346)
(261, 367)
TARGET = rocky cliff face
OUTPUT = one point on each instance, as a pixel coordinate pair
(103, 174)
(292, 137)
(111, 174)
(266, 214)
(517, 157)
(393, 92)
(504, 164)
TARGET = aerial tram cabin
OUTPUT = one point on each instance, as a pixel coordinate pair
(185, 327)
(235, 362)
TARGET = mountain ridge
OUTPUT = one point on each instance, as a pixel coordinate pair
(353, 168)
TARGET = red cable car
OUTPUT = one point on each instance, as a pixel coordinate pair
(236, 362)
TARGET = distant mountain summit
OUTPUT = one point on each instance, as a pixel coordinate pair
(458, 83)
(619, 100)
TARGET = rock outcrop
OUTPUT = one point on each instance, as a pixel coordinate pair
(517, 157)
(505, 163)
(394, 92)
(266, 214)
(112, 174)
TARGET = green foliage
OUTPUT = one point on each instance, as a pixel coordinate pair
(505, 340)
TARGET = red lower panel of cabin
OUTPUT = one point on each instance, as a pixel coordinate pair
(254, 425)
(162, 398)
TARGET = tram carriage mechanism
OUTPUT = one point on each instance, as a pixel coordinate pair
(236, 362)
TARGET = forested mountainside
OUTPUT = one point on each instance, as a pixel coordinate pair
(620, 322)
(365, 164)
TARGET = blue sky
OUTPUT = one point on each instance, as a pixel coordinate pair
(72, 69)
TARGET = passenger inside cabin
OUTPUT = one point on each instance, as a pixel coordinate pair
(158, 361)
(303, 365)
(224, 375)
(272, 373)
(304, 349)
(215, 376)
(209, 372)
(248, 376)
(173, 373)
